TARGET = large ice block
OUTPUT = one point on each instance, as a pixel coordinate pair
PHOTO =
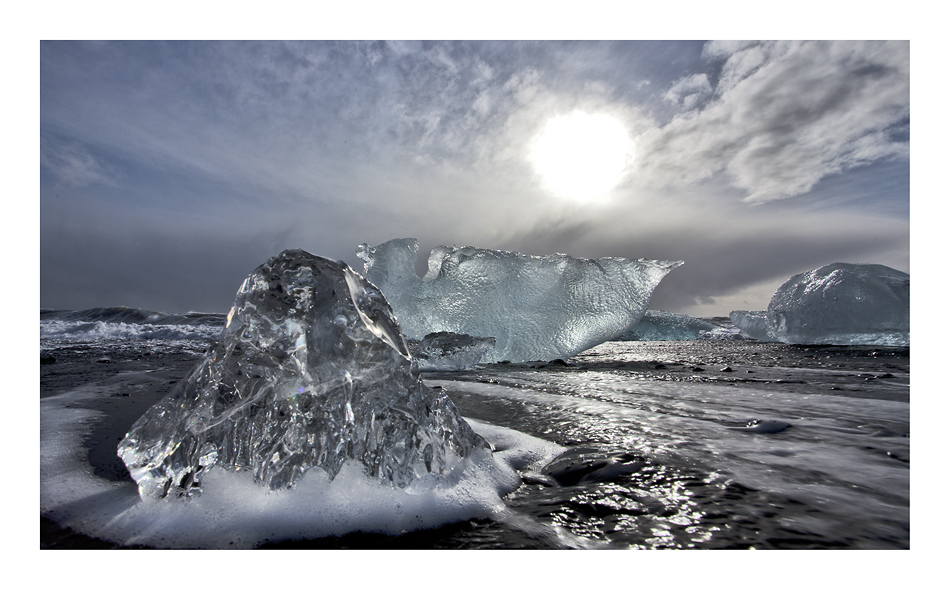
(839, 303)
(311, 371)
(536, 308)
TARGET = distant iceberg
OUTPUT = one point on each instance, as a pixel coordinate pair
(536, 308)
(840, 303)
(666, 325)
(310, 371)
(754, 324)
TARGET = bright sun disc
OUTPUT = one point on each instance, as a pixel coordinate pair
(581, 156)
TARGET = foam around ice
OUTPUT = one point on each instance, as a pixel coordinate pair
(536, 308)
(236, 512)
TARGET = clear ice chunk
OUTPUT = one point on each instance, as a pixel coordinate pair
(839, 303)
(754, 324)
(446, 351)
(537, 308)
(310, 371)
(666, 325)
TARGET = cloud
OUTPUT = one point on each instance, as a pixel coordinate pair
(73, 165)
(187, 154)
(784, 115)
(689, 91)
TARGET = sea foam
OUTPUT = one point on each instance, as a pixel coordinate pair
(236, 512)
(76, 331)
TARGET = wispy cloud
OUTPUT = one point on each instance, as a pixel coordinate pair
(786, 114)
(689, 91)
(261, 146)
(73, 165)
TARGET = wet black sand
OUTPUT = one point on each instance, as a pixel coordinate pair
(655, 495)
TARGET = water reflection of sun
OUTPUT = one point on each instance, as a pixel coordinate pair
(581, 156)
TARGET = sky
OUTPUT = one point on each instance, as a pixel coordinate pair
(170, 170)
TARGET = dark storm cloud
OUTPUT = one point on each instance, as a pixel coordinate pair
(170, 170)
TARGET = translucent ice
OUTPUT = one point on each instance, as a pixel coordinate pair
(840, 303)
(666, 325)
(445, 351)
(310, 371)
(754, 324)
(536, 308)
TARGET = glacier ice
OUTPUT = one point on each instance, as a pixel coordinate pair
(754, 324)
(666, 325)
(537, 308)
(839, 303)
(446, 351)
(311, 370)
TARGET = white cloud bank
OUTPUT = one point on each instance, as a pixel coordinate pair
(782, 115)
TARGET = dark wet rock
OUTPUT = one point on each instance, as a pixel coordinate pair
(725, 369)
(533, 477)
(763, 426)
(586, 465)
(47, 360)
(612, 472)
(899, 456)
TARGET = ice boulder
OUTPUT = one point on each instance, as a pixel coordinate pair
(754, 324)
(311, 371)
(666, 325)
(445, 351)
(536, 307)
(840, 303)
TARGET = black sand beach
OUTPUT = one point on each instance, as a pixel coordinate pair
(673, 500)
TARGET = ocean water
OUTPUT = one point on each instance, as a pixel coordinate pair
(714, 443)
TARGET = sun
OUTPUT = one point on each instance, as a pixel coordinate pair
(581, 156)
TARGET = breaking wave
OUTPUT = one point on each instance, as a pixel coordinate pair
(126, 323)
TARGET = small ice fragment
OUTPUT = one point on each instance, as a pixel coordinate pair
(445, 351)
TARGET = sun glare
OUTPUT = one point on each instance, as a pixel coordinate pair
(581, 156)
